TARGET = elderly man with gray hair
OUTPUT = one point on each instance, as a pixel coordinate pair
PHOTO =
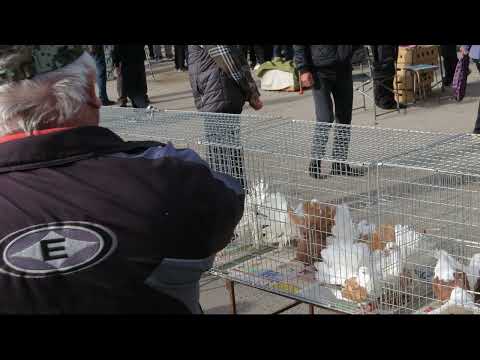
(91, 223)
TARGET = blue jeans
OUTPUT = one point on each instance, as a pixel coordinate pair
(101, 76)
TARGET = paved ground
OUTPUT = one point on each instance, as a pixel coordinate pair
(171, 90)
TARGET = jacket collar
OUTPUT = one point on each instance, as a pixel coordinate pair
(60, 147)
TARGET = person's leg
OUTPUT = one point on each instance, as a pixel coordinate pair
(343, 97)
(142, 76)
(384, 75)
(225, 157)
(253, 59)
(244, 50)
(259, 54)
(476, 130)
(288, 52)
(277, 51)
(384, 98)
(151, 54)
(157, 50)
(102, 77)
(168, 51)
(185, 57)
(179, 54)
(267, 52)
(450, 59)
(324, 118)
(133, 74)
(121, 91)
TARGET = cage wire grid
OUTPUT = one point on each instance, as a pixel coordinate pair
(328, 241)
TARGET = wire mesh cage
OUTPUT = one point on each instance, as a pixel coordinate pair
(436, 191)
(357, 219)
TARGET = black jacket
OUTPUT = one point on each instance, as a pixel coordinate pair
(87, 218)
(213, 90)
(318, 57)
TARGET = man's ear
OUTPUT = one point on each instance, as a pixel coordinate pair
(93, 98)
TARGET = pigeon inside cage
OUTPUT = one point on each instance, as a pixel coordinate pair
(370, 263)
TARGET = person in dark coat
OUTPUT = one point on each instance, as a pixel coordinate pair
(221, 82)
(328, 69)
(129, 59)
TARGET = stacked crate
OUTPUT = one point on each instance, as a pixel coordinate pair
(420, 54)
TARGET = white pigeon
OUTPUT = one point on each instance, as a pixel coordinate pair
(461, 302)
(473, 271)
(341, 262)
(406, 239)
(365, 229)
(344, 230)
(367, 280)
(267, 217)
(446, 266)
(462, 297)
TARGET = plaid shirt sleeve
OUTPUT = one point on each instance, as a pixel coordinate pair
(235, 66)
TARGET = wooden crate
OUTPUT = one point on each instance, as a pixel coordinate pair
(404, 96)
(421, 54)
(405, 79)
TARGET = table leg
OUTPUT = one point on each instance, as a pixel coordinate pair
(230, 285)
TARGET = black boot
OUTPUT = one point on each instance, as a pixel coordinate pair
(346, 170)
(315, 169)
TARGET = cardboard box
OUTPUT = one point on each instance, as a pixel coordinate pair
(420, 54)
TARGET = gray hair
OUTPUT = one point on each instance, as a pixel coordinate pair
(47, 99)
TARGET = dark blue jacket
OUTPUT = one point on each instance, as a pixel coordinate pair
(310, 58)
(88, 218)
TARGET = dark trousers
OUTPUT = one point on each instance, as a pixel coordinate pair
(120, 88)
(134, 83)
(476, 130)
(384, 74)
(341, 88)
(259, 53)
(382, 89)
(151, 53)
(180, 57)
(267, 52)
(285, 51)
(450, 59)
(101, 75)
(225, 155)
(249, 52)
